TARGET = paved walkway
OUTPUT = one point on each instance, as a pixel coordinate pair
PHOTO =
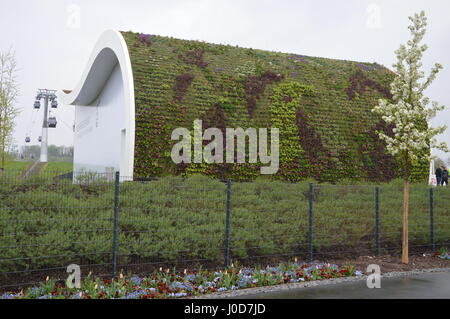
(427, 286)
(34, 169)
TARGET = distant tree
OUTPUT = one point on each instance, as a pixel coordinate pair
(409, 113)
(438, 162)
(9, 92)
(60, 153)
(55, 153)
(448, 161)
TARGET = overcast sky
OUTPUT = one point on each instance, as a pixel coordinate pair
(53, 39)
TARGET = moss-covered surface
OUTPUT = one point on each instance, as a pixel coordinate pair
(321, 106)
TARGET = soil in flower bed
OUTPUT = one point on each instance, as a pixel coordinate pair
(389, 263)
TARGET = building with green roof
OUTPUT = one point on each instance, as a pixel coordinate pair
(137, 88)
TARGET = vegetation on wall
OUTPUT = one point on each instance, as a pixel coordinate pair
(359, 84)
(378, 165)
(254, 87)
(194, 57)
(284, 102)
(182, 83)
(322, 107)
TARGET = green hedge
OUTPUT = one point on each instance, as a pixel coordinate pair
(174, 219)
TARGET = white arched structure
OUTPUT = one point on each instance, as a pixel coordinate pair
(105, 110)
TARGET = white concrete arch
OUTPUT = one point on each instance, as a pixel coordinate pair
(106, 81)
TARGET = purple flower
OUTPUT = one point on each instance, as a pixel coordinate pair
(136, 280)
(146, 38)
(298, 58)
(8, 296)
(365, 67)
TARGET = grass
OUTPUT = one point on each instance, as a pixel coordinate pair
(15, 169)
(58, 168)
(175, 220)
(17, 166)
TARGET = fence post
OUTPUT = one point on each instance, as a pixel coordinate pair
(310, 222)
(432, 233)
(116, 225)
(228, 226)
(377, 221)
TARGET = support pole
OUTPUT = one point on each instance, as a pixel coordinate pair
(310, 222)
(228, 226)
(44, 142)
(116, 225)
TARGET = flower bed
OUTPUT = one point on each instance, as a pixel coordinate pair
(172, 284)
(442, 254)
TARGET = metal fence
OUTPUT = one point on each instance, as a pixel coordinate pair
(108, 224)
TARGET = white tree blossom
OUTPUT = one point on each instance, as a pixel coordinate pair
(410, 111)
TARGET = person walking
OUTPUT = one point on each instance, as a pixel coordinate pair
(438, 176)
(444, 177)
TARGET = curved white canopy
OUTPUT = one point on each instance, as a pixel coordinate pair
(109, 51)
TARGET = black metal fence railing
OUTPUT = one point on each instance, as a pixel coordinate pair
(108, 223)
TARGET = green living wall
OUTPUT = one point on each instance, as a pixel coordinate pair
(321, 106)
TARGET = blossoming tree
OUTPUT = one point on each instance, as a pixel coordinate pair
(409, 113)
(9, 92)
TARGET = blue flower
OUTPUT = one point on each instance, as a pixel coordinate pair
(8, 296)
(135, 294)
(179, 294)
(136, 280)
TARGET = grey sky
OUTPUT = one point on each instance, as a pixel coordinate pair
(52, 51)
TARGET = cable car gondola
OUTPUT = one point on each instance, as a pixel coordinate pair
(40, 139)
(52, 122)
(27, 139)
(37, 104)
(54, 104)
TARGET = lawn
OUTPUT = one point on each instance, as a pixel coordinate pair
(58, 168)
(17, 165)
(17, 168)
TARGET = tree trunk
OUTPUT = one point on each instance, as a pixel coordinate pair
(405, 252)
(2, 166)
